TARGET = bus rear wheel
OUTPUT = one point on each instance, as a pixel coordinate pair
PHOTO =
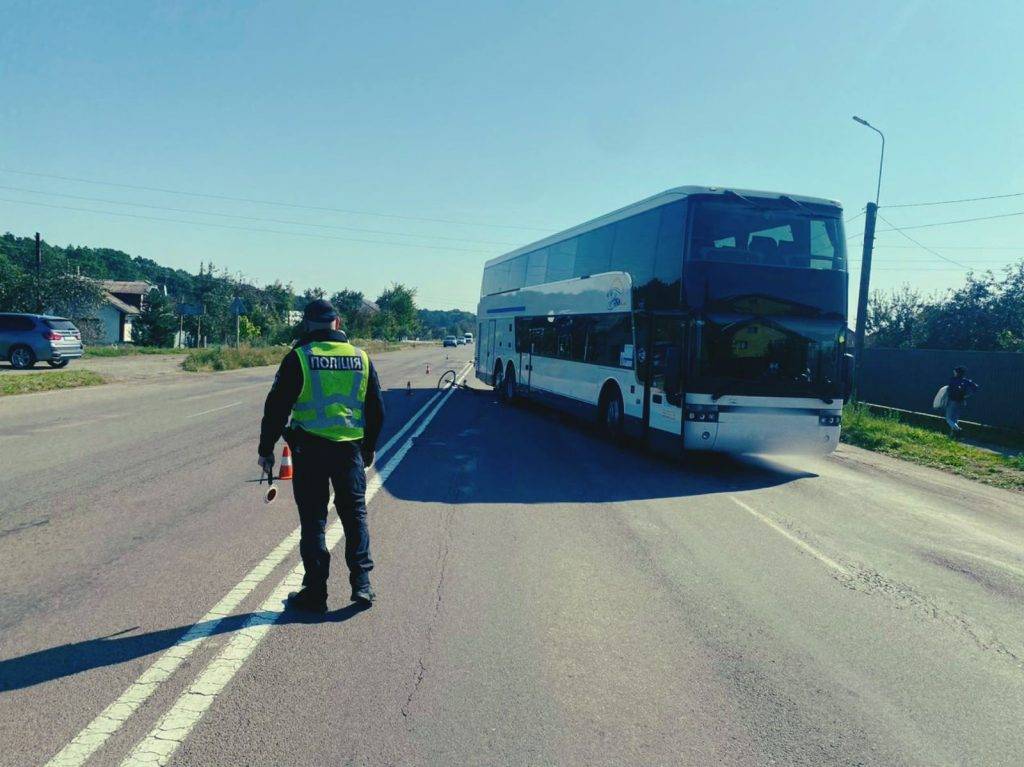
(508, 384)
(613, 420)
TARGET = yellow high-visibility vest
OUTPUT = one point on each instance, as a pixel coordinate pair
(335, 377)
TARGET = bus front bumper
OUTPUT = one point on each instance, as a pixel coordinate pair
(763, 430)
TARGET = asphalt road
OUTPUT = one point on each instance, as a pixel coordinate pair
(545, 597)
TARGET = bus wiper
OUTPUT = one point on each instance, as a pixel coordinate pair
(747, 200)
(799, 204)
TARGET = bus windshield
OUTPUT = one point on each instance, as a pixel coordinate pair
(768, 233)
(767, 355)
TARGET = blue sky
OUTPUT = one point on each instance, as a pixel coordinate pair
(484, 117)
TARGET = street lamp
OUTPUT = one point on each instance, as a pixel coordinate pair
(862, 121)
(865, 263)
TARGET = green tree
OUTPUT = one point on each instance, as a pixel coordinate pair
(248, 332)
(397, 317)
(156, 324)
(356, 318)
(894, 320)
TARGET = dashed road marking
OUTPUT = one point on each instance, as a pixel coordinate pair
(214, 410)
(173, 727)
(784, 532)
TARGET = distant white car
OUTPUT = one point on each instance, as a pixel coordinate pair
(450, 341)
(469, 338)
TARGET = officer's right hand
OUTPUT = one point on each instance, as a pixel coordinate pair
(266, 464)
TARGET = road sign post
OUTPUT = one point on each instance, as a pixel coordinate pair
(238, 309)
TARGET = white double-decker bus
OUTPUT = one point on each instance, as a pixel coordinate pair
(698, 319)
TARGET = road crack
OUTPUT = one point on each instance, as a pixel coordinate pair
(904, 596)
(421, 661)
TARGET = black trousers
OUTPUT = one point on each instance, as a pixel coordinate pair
(317, 463)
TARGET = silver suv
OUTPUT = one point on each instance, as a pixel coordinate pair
(29, 338)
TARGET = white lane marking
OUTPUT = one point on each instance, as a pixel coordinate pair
(214, 410)
(117, 713)
(784, 532)
(232, 390)
(173, 727)
(409, 424)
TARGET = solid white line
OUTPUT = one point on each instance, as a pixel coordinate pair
(409, 423)
(174, 726)
(117, 713)
(110, 720)
(783, 531)
(214, 410)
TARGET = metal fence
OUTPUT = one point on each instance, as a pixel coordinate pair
(908, 379)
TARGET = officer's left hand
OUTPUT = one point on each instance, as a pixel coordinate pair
(266, 464)
(368, 458)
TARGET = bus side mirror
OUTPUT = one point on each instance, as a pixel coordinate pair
(848, 368)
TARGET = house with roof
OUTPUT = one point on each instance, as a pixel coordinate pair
(123, 300)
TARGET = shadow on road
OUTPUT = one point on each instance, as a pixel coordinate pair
(75, 657)
(481, 451)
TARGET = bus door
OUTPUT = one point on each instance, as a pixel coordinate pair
(662, 337)
(488, 353)
(526, 365)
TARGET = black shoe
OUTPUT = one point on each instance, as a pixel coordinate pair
(363, 595)
(308, 600)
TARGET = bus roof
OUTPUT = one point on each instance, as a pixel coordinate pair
(655, 201)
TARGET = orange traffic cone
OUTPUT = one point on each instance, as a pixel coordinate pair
(286, 463)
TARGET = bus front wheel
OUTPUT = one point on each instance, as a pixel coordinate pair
(611, 412)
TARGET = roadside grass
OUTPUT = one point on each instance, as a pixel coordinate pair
(126, 350)
(886, 433)
(32, 382)
(217, 358)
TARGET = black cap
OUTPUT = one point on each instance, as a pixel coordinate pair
(319, 311)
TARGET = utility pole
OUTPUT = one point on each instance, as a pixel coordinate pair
(39, 273)
(865, 285)
(865, 264)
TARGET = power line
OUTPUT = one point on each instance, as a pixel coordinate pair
(955, 247)
(923, 247)
(917, 269)
(942, 223)
(244, 228)
(953, 202)
(254, 218)
(271, 202)
(956, 221)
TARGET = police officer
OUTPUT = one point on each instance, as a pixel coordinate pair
(330, 390)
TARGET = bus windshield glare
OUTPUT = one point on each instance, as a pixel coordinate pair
(772, 354)
(747, 232)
